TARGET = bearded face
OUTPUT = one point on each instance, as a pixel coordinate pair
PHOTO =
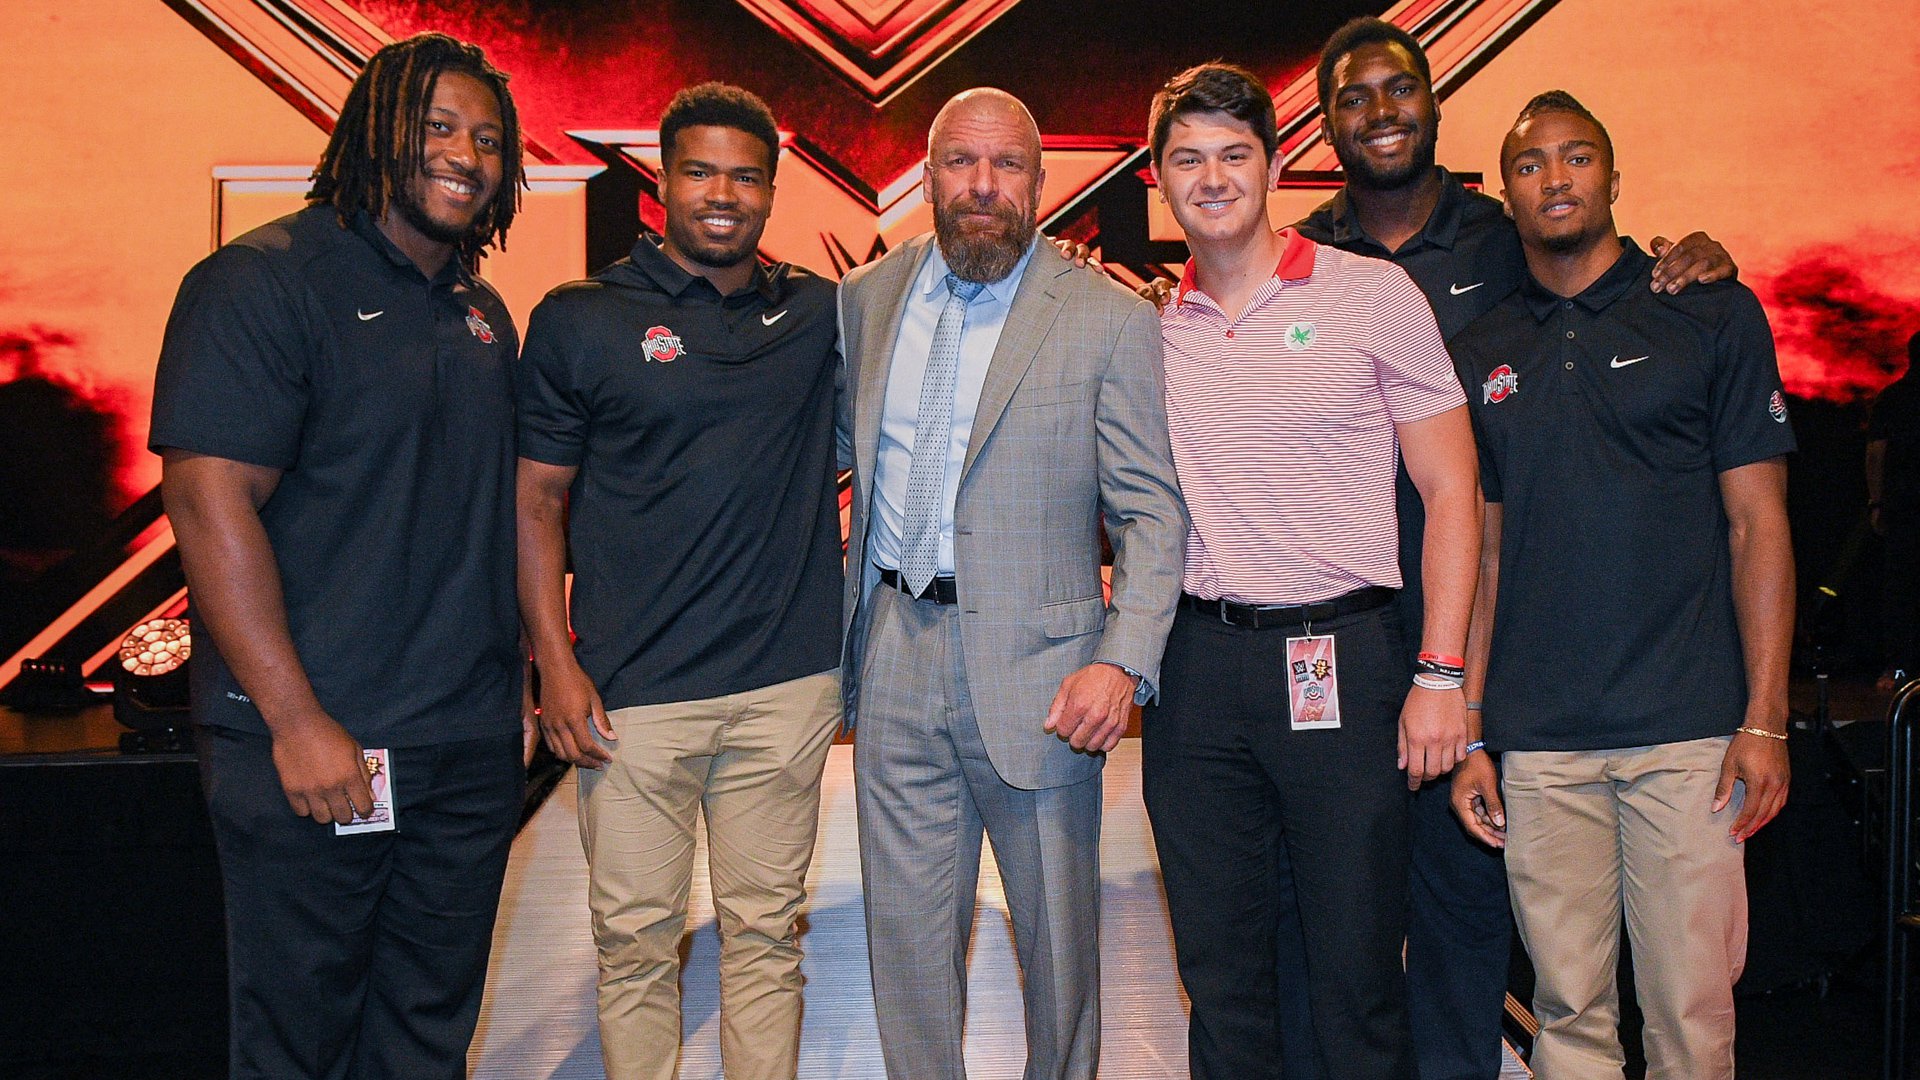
(983, 180)
(982, 237)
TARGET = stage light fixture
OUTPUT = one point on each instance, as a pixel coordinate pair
(150, 687)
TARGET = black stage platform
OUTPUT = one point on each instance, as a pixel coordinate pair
(110, 915)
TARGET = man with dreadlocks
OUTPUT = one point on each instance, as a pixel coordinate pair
(334, 409)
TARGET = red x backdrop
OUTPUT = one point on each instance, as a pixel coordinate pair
(143, 132)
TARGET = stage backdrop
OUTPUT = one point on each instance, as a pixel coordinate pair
(141, 133)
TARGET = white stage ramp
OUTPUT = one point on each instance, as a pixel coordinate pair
(538, 1020)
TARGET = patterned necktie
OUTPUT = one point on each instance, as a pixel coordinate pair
(932, 435)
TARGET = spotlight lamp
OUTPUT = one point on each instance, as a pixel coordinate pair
(150, 685)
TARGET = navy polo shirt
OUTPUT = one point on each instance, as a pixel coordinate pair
(1466, 259)
(386, 401)
(1604, 422)
(704, 523)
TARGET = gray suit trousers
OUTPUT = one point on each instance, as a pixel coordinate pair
(926, 792)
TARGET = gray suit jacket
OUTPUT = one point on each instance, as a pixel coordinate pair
(1071, 430)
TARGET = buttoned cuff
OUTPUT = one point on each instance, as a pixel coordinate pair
(1145, 691)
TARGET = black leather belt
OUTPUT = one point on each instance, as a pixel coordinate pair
(1257, 616)
(939, 591)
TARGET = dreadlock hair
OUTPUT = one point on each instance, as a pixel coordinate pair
(379, 141)
(1562, 102)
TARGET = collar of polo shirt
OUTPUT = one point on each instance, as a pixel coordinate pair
(1296, 263)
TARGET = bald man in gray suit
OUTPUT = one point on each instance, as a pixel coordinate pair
(1000, 408)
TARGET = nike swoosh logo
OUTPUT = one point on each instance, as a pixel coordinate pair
(769, 320)
(369, 316)
(1617, 362)
(1458, 289)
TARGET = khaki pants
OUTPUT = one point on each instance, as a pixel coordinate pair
(1593, 832)
(752, 761)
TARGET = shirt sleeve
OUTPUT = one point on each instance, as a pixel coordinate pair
(233, 379)
(1749, 408)
(1466, 368)
(553, 403)
(1410, 359)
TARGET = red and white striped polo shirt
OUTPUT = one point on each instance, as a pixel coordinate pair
(1282, 423)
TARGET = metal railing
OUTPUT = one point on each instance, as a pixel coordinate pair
(1902, 916)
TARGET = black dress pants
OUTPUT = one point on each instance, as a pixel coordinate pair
(360, 957)
(1229, 788)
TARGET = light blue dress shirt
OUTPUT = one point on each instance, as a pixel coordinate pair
(979, 336)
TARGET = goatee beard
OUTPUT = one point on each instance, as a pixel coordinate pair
(1565, 243)
(1361, 174)
(715, 256)
(437, 231)
(985, 254)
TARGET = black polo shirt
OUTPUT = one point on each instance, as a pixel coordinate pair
(386, 400)
(705, 520)
(1604, 423)
(1466, 259)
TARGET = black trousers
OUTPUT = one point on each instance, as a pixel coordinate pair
(1900, 588)
(360, 957)
(1459, 938)
(1230, 790)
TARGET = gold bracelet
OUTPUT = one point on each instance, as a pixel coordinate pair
(1762, 732)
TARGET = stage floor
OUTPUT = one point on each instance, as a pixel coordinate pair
(538, 1020)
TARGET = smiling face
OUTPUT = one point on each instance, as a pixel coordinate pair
(983, 179)
(461, 164)
(1381, 119)
(1560, 182)
(1215, 176)
(717, 188)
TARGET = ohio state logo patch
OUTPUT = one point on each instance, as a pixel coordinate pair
(1777, 408)
(1501, 381)
(662, 344)
(477, 325)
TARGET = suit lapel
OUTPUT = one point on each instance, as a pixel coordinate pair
(879, 333)
(1036, 303)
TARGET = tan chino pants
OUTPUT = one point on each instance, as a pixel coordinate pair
(1595, 834)
(752, 761)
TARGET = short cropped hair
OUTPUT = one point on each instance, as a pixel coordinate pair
(1562, 102)
(1363, 31)
(1215, 87)
(718, 104)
